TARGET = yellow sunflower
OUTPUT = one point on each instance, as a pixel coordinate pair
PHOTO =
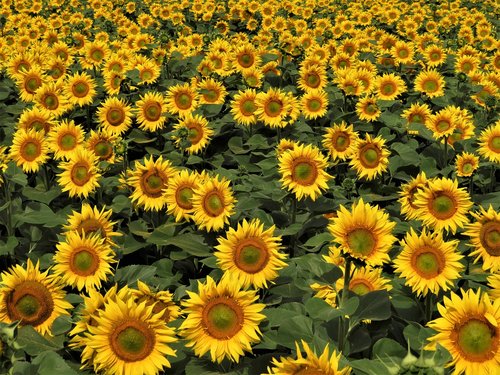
(428, 263)
(80, 89)
(161, 301)
(312, 78)
(442, 205)
(102, 143)
(150, 111)
(484, 236)
(365, 280)
(211, 91)
(389, 86)
(340, 140)
(245, 57)
(80, 174)
(179, 194)
(192, 133)
(365, 232)
(314, 104)
(494, 284)
(32, 297)
(115, 115)
(367, 108)
(489, 143)
(326, 363)
(284, 145)
(29, 82)
(469, 328)
(443, 123)
(49, 97)
(221, 319)
(303, 172)
(370, 157)
(29, 149)
(430, 82)
(418, 113)
(250, 255)
(65, 138)
(466, 163)
(434, 55)
(182, 99)
(149, 181)
(243, 107)
(213, 203)
(83, 261)
(407, 196)
(273, 107)
(129, 338)
(35, 118)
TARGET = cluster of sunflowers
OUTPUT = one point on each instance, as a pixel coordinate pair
(180, 116)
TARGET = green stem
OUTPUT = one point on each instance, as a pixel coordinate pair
(471, 187)
(293, 218)
(46, 177)
(6, 186)
(445, 156)
(343, 320)
(429, 306)
(493, 179)
(278, 134)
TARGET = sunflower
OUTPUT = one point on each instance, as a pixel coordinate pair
(245, 57)
(65, 138)
(192, 133)
(434, 55)
(303, 171)
(418, 113)
(129, 338)
(467, 64)
(83, 261)
(182, 99)
(243, 107)
(80, 89)
(213, 203)
(112, 82)
(115, 115)
(285, 144)
(29, 149)
(403, 52)
(348, 81)
(407, 196)
(273, 107)
(312, 78)
(466, 163)
(326, 363)
(80, 174)
(250, 255)
(161, 301)
(364, 233)
(149, 72)
(469, 328)
(340, 140)
(102, 143)
(494, 284)
(211, 91)
(389, 86)
(365, 280)
(29, 82)
(32, 297)
(367, 108)
(366, 79)
(428, 263)
(314, 104)
(35, 118)
(370, 157)
(489, 143)
(49, 97)
(149, 181)
(221, 319)
(253, 77)
(443, 123)
(95, 54)
(430, 82)
(149, 111)
(179, 194)
(484, 236)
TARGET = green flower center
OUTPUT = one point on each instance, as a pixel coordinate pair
(246, 60)
(403, 53)
(274, 108)
(222, 317)
(115, 116)
(430, 86)
(132, 340)
(427, 264)
(369, 156)
(152, 111)
(211, 96)
(371, 109)
(443, 207)
(495, 144)
(314, 105)
(51, 101)
(489, 236)
(361, 242)
(183, 198)
(32, 84)
(97, 55)
(80, 174)
(304, 172)
(28, 305)
(467, 168)
(443, 125)
(388, 89)
(360, 288)
(31, 151)
(103, 150)
(213, 204)
(248, 107)
(342, 142)
(183, 101)
(476, 339)
(84, 262)
(417, 119)
(81, 89)
(313, 80)
(68, 142)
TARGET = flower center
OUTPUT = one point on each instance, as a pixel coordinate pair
(80, 174)
(428, 262)
(222, 318)
(97, 55)
(341, 141)
(91, 225)
(361, 241)
(103, 150)
(314, 105)
(146, 75)
(84, 262)
(309, 371)
(371, 109)
(369, 156)
(30, 302)
(477, 340)
(443, 125)
(152, 111)
(30, 151)
(360, 287)
(251, 255)
(248, 107)
(246, 60)
(273, 108)
(416, 118)
(132, 341)
(50, 101)
(115, 116)
(183, 197)
(67, 142)
(183, 101)
(80, 89)
(32, 84)
(430, 86)
(195, 133)
(152, 183)
(442, 207)
(388, 88)
(403, 53)
(435, 56)
(211, 96)
(467, 168)
(494, 144)
(313, 80)
(489, 236)
(213, 204)
(304, 171)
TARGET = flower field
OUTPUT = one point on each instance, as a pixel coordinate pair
(249, 187)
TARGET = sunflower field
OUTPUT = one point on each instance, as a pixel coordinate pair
(249, 187)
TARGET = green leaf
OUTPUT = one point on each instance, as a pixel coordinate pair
(236, 146)
(39, 213)
(193, 244)
(386, 347)
(61, 325)
(120, 203)
(9, 246)
(33, 343)
(51, 363)
(298, 328)
(318, 240)
(130, 274)
(372, 367)
(41, 195)
(374, 306)
(417, 335)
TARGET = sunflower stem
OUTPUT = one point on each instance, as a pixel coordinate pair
(445, 156)
(293, 218)
(278, 134)
(429, 306)
(45, 177)
(471, 187)
(8, 199)
(343, 320)
(493, 179)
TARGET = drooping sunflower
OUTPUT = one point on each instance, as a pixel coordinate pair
(466, 163)
(129, 338)
(80, 89)
(428, 263)
(407, 196)
(469, 328)
(303, 172)
(389, 86)
(221, 319)
(65, 138)
(149, 111)
(340, 140)
(115, 115)
(192, 133)
(489, 143)
(29, 149)
(102, 143)
(325, 363)
(32, 297)
(79, 176)
(370, 157)
(442, 205)
(243, 107)
(149, 181)
(213, 203)
(365, 232)
(430, 82)
(83, 261)
(179, 193)
(161, 301)
(182, 99)
(367, 108)
(484, 236)
(250, 255)
(314, 104)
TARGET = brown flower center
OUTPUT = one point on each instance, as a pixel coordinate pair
(442, 206)
(30, 150)
(152, 111)
(183, 196)
(222, 318)
(476, 339)
(30, 302)
(213, 203)
(132, 340)
(304, 171)
(152, 183)
(84, 261)
(369, 156)
(251, 255)
(80, 173)
(115, 116)
(361, 241)
(183, 100)
(80, 89)
(489, 236)
(428, 262)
